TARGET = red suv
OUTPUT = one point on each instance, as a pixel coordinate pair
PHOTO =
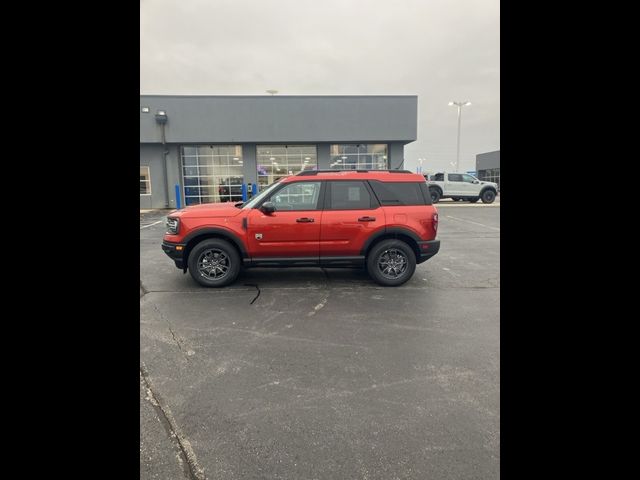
(379, 219)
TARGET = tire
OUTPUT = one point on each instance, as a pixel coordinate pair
(474, 199)
(488, 196)
(456, 199)
(208, 252)
(435, 195)
(393, 250)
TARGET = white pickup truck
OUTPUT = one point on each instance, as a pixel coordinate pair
(460, 186)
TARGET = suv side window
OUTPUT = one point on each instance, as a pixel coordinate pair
(467, 178)
(438, 177)
(399, 193)
(349, 196)
(297, 196)
(455, 177)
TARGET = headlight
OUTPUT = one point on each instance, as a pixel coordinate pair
(173, 224)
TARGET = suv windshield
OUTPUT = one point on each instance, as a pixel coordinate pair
(255, 200)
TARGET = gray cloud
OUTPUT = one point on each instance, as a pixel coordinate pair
(440, 50)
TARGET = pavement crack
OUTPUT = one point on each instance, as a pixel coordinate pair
(194, 471)
(143, 290)
(176, 338)
(257, 288)
(277, 336)
(323, 302)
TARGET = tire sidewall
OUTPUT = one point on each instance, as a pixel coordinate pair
(376, 251)
(490, 194)
(228, 249)
(435, 195)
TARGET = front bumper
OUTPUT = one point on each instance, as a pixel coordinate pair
(175, 254)
(428, 249)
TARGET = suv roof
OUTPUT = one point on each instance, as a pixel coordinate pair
(382, 175)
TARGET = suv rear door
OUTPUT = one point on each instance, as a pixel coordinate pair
(455, 186)
(351, 214)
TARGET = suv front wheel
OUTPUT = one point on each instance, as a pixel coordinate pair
(391, 262)
(214, 263)
(488, 196)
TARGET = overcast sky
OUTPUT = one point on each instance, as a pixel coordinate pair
(440, 50)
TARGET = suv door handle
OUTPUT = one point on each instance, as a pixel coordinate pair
(367, 219)
(305, 220)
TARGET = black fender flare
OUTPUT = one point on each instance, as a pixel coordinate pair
(390, 231)
(488, 187)
(218, 231)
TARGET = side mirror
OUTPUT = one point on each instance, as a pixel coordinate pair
(268, 208)
(476, 181)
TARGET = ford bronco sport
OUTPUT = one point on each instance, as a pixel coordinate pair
(382, 220)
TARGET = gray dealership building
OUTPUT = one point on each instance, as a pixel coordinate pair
(198, 149)
(488, 166)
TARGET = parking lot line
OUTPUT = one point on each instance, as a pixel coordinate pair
(151, 224)
(475, 223)
(468, 205)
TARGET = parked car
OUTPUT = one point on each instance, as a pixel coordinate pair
(383, 221)
(460, 186)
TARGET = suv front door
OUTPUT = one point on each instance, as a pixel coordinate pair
(470, 188)
(293, 230)
(351, 214)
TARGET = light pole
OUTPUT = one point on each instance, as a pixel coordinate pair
(161, 119)
(459, 105)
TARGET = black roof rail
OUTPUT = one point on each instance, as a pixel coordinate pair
(306, 173)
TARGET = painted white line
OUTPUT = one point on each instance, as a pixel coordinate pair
(475, 223)
(152, 224)
(468, 205)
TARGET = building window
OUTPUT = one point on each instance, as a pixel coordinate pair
(145, 181)
(490, 175)
(359, 156)
(277, 161)
(212, 173)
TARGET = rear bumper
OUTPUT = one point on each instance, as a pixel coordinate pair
(171, 249)
(428, 249)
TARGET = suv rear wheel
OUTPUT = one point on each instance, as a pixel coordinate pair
(214, 263)
(391, 262)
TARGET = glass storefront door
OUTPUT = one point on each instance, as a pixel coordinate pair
(212, 173)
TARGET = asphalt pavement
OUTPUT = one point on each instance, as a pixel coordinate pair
(326, 374)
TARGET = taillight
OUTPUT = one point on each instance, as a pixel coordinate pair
(435, 222)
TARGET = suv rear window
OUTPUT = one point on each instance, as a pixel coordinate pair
(401, 193)
(349, 196)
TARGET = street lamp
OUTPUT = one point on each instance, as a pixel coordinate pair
(459, 105)
(161, 119)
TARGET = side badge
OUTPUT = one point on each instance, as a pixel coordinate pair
(258, 236)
